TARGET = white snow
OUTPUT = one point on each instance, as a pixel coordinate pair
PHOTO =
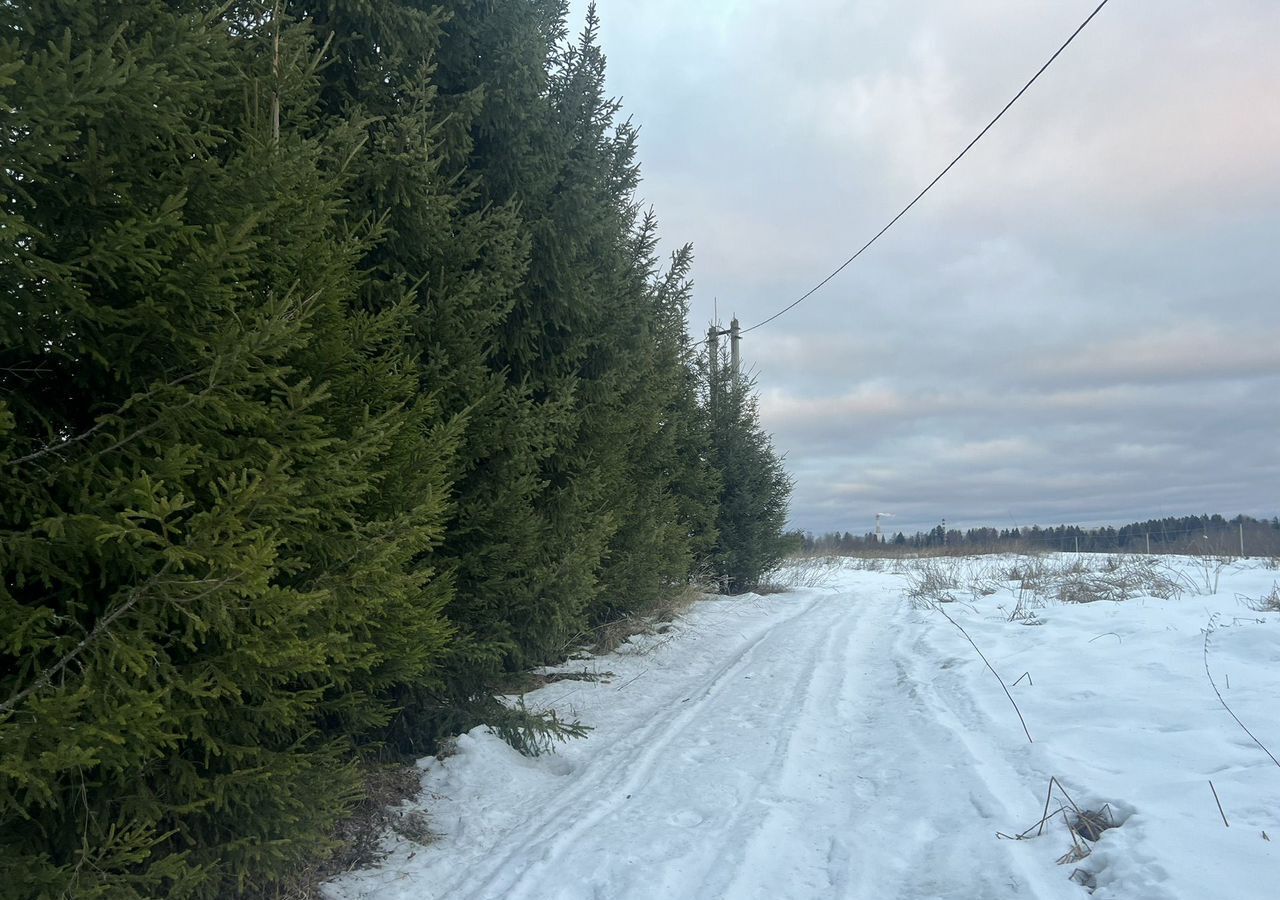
(846, 741)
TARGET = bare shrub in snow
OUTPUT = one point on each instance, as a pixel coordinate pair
(799, 572)
(1269, 602)
(931, 580)
(1090, 587)
(1031, 573)
(1089, 579)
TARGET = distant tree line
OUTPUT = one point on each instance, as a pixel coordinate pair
(1173, 534)
(338, 377)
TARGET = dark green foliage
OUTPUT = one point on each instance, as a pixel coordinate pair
(530, 733)
(589, 341)
(754, 489)
(215, 481)
(1194, 535)
(455, 261)
(668, 499)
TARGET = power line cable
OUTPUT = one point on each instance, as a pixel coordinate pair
(938, 178)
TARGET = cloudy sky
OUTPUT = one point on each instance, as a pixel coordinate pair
(1080, 324)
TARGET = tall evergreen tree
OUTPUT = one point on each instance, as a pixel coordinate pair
(215, 476)
(694, 480)
(458, 258)
(539, 147)
(667, 499)
(754, 485)
(593, 336)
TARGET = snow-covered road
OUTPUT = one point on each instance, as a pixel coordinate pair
(810, 745)
(807, 763)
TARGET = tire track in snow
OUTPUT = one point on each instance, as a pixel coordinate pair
(811, 699)
(746, 808)
(894, 798)
(941, 788)
(543, 839)
(828, 755)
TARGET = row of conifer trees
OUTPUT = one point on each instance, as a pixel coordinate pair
(338, 376)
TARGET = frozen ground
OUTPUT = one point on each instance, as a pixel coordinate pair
(846, 741)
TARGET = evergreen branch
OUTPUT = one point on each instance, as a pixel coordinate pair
(302, 310)
(99, 628)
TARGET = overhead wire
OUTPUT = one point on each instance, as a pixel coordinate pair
(936, 179)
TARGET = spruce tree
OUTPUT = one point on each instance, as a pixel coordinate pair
(693, 478)
(586, 335)
(667, 499)
(217, 478)
(457, 259)
(525, 585)
(754, 485)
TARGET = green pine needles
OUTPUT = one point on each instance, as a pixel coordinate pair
(338, 378)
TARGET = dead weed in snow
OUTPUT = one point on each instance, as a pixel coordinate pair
(1269, 602)
(1085, 827)
(1035, 582)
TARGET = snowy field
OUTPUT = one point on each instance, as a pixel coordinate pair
(847, 740)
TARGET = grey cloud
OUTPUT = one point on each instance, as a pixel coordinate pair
(1079, 324)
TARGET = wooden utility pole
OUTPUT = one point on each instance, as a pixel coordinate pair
(275, 74)
(713, 363)
(734, 336)
(713, 356)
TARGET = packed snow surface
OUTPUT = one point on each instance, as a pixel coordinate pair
(847, 740)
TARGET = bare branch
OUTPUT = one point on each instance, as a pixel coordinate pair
(99, 629)
(102, 422)
(54, 448)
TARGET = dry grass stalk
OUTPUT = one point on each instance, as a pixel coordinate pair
(1209, 629)
(1089, 824)
(1084, 825)
(799, 572)
(990, 667)
(1220, 811)
(1269, 602)
(609, 636)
